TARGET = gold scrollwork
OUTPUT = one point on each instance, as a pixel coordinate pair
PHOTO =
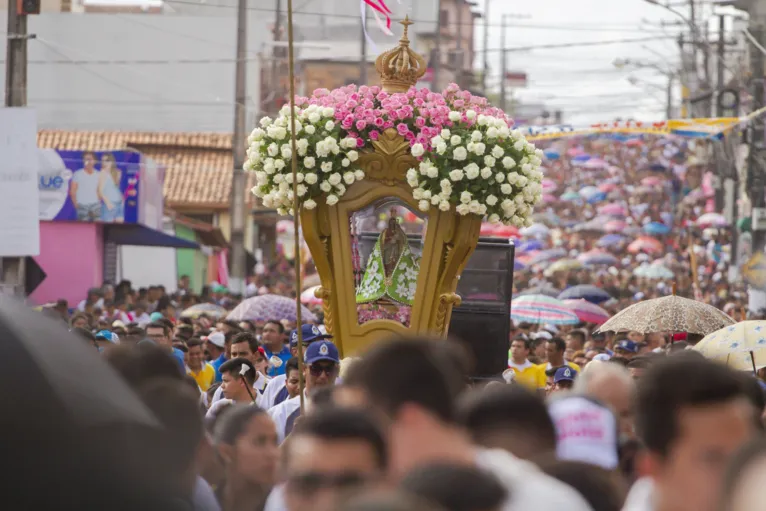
(446, 302)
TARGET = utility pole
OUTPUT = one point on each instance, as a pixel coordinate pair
(720, 68)
(437, 53)
(363, 52)
(503, 64)
(13, 269)
(669, 98)
(722, 163)
(276, 54)
(459, 47)
(238, 214)
(486, 48)
(757, 157)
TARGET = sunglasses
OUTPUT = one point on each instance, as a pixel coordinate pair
(328, 369)
(310, 483)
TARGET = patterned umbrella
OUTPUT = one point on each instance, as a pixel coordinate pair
(209, 309)
(536, 230)
(741, 346)
(597, 258)
(712, 220)
(596, 198)
(570, 196)
(653, 271)
(548, 255)
(529, 245)
(645, 244)
(615, 226)
(610, 240)
(587, 292)
(265, 307)
(587, 312)
(656, 228)
(607, 187)
(563, 265)
(588, 191)
(541, 309)
(549, 185)
(668, 314)
(308, 298)
(549, 291)
(549, 198)
(612, 209)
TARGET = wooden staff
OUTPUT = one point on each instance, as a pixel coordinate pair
(296, 203)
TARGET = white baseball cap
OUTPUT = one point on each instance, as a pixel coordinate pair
(217, 339)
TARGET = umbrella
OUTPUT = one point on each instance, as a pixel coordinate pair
(63, 377)
(634, 142)
(487, 229)
(549, 198)
(658, 167)
(587, 312)
(610, 240)
(548, 255)
(596, 198)
(587, 292)
(652, 181)
(595, 163)
(597, 258)
(535, 230)
(541, 290)
(594, 225)
(529, 246)
(518, 265)
(549, 185)
(506, 231)
(308, 297)
(656, 228)
(552, 155)
(589, 191)
(668, 314)
(654, 271)
(547, 218)
(712, 220)
(208, 309)
(570, 196)
(541, 309)
(615, 226)
(563, 265)
(612, 209)
(607, 187)
(265, 307)
(741, 346)
(645, 244)
(581, 158)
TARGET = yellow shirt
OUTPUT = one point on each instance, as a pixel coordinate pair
(204, 378)
(529, 375)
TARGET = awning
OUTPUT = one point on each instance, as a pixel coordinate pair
(208, 234)
(137, 234)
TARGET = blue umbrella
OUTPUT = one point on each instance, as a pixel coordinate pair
(599, 260)
(658, 167)
(588, 191)
(596, 198)
(610, 240)
(581, 158)
(570, 196)
(530, 245)
(656, 228)
(552, 155)
(518, 265)
(587, 292)
(548, 255)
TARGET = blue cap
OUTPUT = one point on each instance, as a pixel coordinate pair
(626, 345)
(310, 333)
(106, 335)
(565, 373)
(323, 350)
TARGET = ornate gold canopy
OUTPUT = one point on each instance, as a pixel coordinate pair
(400, 68)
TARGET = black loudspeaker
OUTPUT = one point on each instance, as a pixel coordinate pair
(482, 322)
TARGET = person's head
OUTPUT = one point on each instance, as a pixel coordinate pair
(184, 331)
(159, 333)
(576, 340)
(627, 349)
(519, 350)
(692, 414)
(195, 354)
(80, 320)
(330, 452)
(292, 377)
(596, 485)
(635, 336)
(238, 376)
(246, 440)
(508, 417)
(456, 487)
(554, 351)
(599, 340)
(215, 344)
(613, 385)
(563, 379)
(88, 160)
(106, 340)
(638, 365)
(321, 364)
(244, 345)
(387, 501)
(273, 335)
(183, 282)
(745, 479)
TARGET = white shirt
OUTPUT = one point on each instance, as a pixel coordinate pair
(87, 187)
(527, 485)
(99, 305)
(640, 496)
(281, 414)
(276, 384)
(276, 499)
(259, 384)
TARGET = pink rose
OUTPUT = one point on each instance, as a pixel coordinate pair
(420, 122)
(409, 136)
(388, 124)
(360, 142)
(402, 129)
(360, 125)
(379, 122)
(374, 135)
(459, 103)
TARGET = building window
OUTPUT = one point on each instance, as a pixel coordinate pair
(443, 18)
(202, 217)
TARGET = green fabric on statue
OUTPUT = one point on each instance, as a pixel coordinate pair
(399, 287)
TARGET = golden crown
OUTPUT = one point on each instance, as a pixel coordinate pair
(400, 68)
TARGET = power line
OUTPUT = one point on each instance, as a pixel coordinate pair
(575, 44)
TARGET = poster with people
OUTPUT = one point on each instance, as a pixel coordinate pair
(89, 186)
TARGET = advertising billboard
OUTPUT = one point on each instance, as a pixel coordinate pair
(89, 186)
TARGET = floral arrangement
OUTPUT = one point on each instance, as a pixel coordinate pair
(470, 157)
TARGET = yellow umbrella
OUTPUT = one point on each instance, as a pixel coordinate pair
(741, 346)
(563, 265)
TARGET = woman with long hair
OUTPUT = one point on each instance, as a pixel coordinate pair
(113, 206)
(246, 441)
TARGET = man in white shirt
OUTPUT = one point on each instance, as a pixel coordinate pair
(420, 402)
(84, 189)
(320, 369)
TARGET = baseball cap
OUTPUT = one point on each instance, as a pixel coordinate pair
(106, 335)
(586, 431)
(565, 373)
(541, 335)
(626, 345)
(309, 333)
(216, 339)
(323, 350)
(155, 316)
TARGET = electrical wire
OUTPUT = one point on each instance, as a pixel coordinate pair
(754, 41)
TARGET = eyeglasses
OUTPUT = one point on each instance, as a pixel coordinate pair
(328, 369)
(311, 482)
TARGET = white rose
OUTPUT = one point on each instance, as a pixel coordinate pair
(334, 179)
(499, 177)
(301, 189)
(302, 146)
(441, 148)
(522, 181)
(465, 197)
(257, 134)
(508, 162)
(446, 134)
(348, 178)
(519, 200)
(325, 186)
(340, 190)
(299, 176)
(513, 178)
(424, 205)
(482, 209)
(279, 164)
(279, 178)
(268, 202)
(517, 221)
(520, 145)
(462, 209)
(472, 171)
(310, 178)
(328, 112)
(261, 177)
(327, 166)
(265, 121)
(454, 116)
(491, 200)
(310, 129)
(345, 162)
(310, 204)
(460, 154)
(286, 152)
(272, 150)
(479, 148)
(486, 173)
(412, 174)
(492, 133)
(435, 200)
(476, 135)
(314, 117)
(436, 140)
(445, 184)
(280, 133)
(489, 161)
(455, 140)
(329, 125)
(417, 193)
(432, 172)
(456, 175)
(526, 168)
(494, 218)
(352, 155)
(497, 152)
(332, 200)
(473, 207)
(309, 162)
(418, 150)
(524, 160)
(506, 189)
(444, 205)
(470, 115)
(358, 174)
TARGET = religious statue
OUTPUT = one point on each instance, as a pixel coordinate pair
(392, 269)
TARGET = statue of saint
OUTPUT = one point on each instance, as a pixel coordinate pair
(392, 269)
